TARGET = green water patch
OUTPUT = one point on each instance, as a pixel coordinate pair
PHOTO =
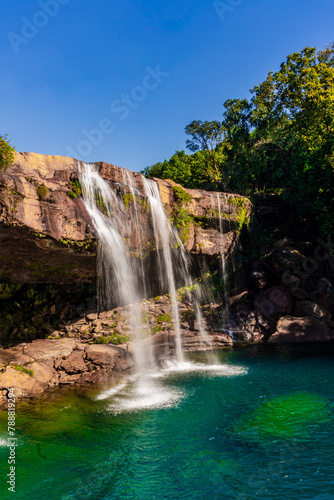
(286, 417)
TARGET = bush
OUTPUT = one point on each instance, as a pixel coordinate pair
(42, 191)
(6, 153)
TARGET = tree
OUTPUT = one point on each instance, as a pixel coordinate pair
(6, 153)
(207, 136)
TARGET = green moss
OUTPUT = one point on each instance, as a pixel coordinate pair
(127, 198)
(42, 191)
(100, 203)
(71, 195)
(22, 369)
(7, 290)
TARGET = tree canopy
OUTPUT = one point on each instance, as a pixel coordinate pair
(281, 139)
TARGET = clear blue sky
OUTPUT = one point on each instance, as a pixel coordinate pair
(66, 67)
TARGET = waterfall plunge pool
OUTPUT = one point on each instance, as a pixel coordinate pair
(257, 425)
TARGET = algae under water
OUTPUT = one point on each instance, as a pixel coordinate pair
(259, 426)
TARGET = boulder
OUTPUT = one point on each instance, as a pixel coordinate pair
(309, 308)
(24, 384)
(73, 364)
(237, 299)
(274, 302)
(295, 329)
(45, 349)
(109, 356)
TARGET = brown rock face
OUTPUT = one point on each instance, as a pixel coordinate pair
(46, 234)
(293, 329)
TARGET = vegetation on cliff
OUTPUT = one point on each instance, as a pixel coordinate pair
(280, 140)
(6, 153)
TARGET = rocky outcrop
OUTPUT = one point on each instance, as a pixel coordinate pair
(291, 330)
(95, 347)
(46, 234)
(31, 369)
(290, 298)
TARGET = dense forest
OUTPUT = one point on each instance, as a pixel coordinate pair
(280, 140)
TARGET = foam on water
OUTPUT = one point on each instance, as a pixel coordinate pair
(111, 392)
(139, 394)
(3, 442)
(145, 395)
(216, 369)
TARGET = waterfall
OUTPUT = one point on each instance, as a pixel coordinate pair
(163, 235)
(223, 271)
(117, 279)
(222, 255)
(168, 237)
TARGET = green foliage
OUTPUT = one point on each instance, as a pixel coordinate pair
(75, 187)
(42, 191)
(180, 216)
(163, 322)
(281, 140)
(164, 318)
(181, 194)
(115, 339)
(6, 153)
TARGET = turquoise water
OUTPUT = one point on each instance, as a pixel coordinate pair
(260, 427)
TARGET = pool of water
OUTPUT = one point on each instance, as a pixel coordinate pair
(258, 424)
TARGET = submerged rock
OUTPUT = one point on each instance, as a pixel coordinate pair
(286, 417)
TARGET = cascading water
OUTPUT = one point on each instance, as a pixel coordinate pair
(222, 255)
(121, 278)
(223, 270)
(128, 180)
(117, 279)
(167, 237)
(163, 234)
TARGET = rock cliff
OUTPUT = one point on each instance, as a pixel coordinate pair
(46, 235)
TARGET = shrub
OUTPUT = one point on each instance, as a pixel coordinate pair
(6, 153)
(42, 191)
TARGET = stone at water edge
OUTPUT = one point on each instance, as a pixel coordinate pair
(294, 329)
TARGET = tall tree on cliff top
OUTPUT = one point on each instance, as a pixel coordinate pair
(207, 136)
(296, 122)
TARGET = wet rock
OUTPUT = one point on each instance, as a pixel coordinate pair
(294, 329)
